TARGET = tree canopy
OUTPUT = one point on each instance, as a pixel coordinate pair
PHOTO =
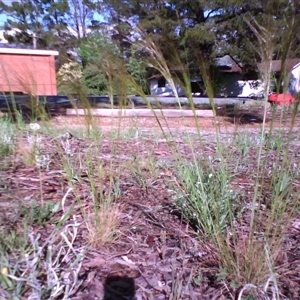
(164, 34)
(48, 24)
(209, 28)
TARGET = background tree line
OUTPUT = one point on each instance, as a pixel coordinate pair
(111, 39)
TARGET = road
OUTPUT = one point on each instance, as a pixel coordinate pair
(64, 101)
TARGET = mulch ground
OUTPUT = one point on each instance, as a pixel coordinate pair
(156, 248)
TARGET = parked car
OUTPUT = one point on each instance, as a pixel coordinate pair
(281, 99)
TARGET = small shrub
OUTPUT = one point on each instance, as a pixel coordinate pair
(68, 76)
(205, 198)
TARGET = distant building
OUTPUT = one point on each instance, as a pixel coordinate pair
(3, 40)
(27, 71)
(290, 69)
(294, 84)
(230, 83)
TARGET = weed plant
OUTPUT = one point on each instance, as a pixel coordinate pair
(7, 129)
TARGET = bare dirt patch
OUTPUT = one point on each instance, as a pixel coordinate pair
(226, 116)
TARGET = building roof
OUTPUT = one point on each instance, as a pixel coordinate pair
(156, 76)
(231, 69)
(226, 64)
(28, 51)
(225, 60)
(276, 65)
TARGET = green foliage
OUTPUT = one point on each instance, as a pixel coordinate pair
(12, 240)
(94, 80)
(275, 141)
(25, 272)
(47, 21)
(7, 137)
(102, 62)
(107, 71)
(189, 34)
(54, 24)
(202, 30)
(38, 214)
(207, 201)
(243, 143)
(97, 49)
(136, 68)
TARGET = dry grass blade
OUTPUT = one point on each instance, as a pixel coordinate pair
(51, 268)
(102, 225)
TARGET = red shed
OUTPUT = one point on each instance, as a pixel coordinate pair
(27, 71)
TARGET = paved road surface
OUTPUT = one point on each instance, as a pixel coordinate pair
(55, 102)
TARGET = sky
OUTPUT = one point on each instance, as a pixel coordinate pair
(2, 16)
(2, 20)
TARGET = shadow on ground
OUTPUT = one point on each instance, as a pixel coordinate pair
(237, 115)
(232, 113)
(119, 288)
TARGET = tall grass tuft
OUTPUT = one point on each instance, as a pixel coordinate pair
(248, 232)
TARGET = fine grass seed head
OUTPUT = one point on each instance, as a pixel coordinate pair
(102, 225)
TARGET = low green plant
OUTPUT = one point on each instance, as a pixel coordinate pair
(198, 278)
(8, 133)
(38, 214)
(275, 141)
(6, 145)
(206, 199)
(243, 143)
(144, 170)
(13, 240)
(32, 149)
(101, 183)
(132, 132)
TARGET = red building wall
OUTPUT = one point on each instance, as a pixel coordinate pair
(27, 71)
